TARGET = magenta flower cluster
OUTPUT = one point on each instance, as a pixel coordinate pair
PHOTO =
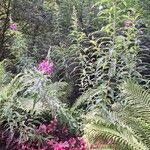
(61, 139)
(46, 67)
(13, 27)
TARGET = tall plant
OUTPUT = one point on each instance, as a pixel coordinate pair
(109, 55)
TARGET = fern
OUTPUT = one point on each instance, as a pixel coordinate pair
(127, 127)
(136, 94)
(123, 138)
(86, 97)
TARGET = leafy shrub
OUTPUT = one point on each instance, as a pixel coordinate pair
(27, 96)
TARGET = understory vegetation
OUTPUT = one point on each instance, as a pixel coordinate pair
(74, 75)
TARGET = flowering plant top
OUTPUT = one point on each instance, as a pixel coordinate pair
(46, 67)
(13, 27)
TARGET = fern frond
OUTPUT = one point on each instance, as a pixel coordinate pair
(138, 100)
(141, 129)
(118, 135)
(129, 126)
(135, 94)
(86, 97)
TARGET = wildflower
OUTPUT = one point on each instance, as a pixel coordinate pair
(52, 127)
(82, 143)
(44, 148)
(46, 67)
(24, 147)
(42, 129)
(65, 144)
(72, 141)
(13, 27)
(50, 142)
(61, 146)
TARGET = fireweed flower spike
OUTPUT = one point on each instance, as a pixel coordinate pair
(46, 67)
(13, 27)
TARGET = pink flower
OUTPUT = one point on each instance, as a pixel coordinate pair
(13, 27)
(65, 144)
(65, 130)
(42, 128)
(24, 147)
(44, 148)
(57, 147)
(51, 128)
(46, 67)
(72, 141)
(82, 141)
(50, 142)
(61, 146)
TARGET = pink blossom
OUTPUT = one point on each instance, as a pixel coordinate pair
(46, 67)
(72, 141)
(50, 142)
(61, 146)
(42, 128)
(25, 147)
(65, 130)
(13, 27)
(65, 144)
(44, 148)
(58, 147)
(76, 149)
(51, 128)
(82, 141)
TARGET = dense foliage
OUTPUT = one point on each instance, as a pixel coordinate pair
(74, 75)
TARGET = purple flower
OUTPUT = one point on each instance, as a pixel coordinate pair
(42, 129)
(61, 146)
(13, 27)
(72, 141)
(46, 67)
